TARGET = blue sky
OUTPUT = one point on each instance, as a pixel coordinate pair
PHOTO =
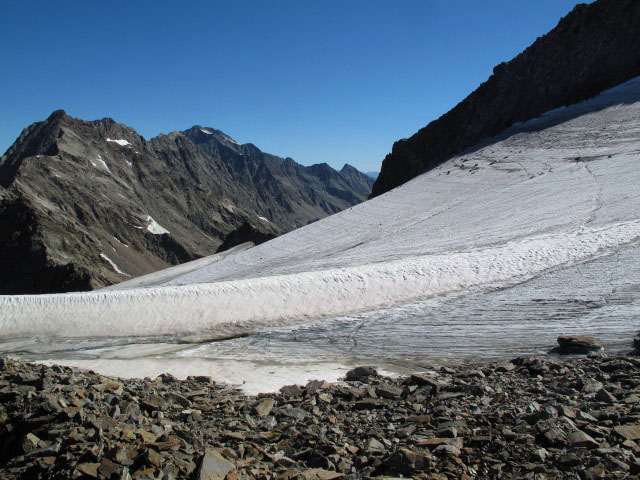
(319, 81)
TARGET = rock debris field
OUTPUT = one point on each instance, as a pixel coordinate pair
(547, 417)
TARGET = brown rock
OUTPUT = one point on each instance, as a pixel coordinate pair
(628, 432)
(214, 466)
(264, 408)
(90, 469)
(320, 474)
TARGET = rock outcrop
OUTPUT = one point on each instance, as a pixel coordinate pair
(89, 204)
(593, 48)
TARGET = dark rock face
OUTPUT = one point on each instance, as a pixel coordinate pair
(255, 232)
(88, 204)
(593, 48)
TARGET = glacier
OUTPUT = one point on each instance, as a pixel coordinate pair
(529, 235)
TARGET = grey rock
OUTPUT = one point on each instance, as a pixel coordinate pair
(579, 345)
(581, 439)
(604, 396)
(385, 390)
(360, 373)
(214, 466)
(264, 408)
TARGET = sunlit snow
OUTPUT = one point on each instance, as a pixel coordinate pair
(496, 252)
(119, 142)
(121, 243)
(102, 162)
(154, 227)
(113, 265)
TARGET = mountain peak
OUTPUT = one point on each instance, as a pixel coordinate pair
(57, 114)
(348, 168)
(199, 134)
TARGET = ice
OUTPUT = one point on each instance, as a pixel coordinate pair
(154, 227)
(113, 265)
(178, 270)
(119, 142)
(529, 235)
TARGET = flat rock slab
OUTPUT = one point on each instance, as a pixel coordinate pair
(264, 408)
(629, 432)
(214, 466)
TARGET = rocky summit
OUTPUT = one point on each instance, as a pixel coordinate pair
(88, 204)
(593, 48)
(528, 418)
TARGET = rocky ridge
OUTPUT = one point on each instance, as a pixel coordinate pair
(88, 204)
(593, 48)
(528, 418)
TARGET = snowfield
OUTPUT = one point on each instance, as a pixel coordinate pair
(551, 198)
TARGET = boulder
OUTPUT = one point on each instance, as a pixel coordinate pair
(579, 345)
(359, 373)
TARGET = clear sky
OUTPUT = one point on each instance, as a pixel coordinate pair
(320, 81)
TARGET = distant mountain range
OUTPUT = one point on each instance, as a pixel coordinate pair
(85, 204)
(373, 175)
(595, 47)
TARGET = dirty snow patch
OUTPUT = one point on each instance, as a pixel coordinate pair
(113, 265)
(154, 227)
(119, 141)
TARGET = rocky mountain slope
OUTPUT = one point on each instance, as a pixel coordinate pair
(593, 48)
(88, 204)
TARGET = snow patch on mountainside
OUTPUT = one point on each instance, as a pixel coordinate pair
(154, 227)
(113, 264)
(119, 141)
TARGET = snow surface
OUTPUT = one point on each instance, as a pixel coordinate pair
(550, 204)
(264, 219)
(99, 159)
(118, 240)
(178, 270)
(206, 131)
(119, 142)
(154, 227)
(113, 264)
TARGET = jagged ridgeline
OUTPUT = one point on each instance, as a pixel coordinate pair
(593, 48)
(88, 204)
